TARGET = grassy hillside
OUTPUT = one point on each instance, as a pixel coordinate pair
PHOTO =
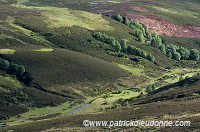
(66, 73)
(16, 98)
(181, 108)
(183, 89)
(34, 32)
(66, 66)
(60, 66)
(181, 11)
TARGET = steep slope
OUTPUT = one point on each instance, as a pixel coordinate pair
(61, 66)
(15, 98)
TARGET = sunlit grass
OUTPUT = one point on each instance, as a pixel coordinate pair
(185, 72)
(177, 12)
(99, 102)
(134, 71)
(45, 49)
(69, 18)
(7, 51)
(4, 90)
(27, 32)
(10, 82)
(59, 17)
(62, 109)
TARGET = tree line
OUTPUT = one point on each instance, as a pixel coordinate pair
(122, 46)
(11, 67)
(152, 39)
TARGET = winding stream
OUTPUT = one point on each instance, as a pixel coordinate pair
(78, 109)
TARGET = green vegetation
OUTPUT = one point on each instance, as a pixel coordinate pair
(12, 96)
(123, 47)
(184, 13)
(56, 56)
(140, 108)
(61, 67)
(45, 50)
(16, 97)
(69, 18)
(146, 37)
(12, 68)
(134, 71)
(150, 88)
(7, 51)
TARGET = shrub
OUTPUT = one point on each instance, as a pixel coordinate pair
(181, 78)
(11, 67)
(150, 57)
(150, 88)
(176, 56)
(4, 64)
(119, 18)
(194, 54)
(105, 96)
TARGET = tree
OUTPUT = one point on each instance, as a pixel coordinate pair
(143, 31)
(119, 18)
(123, 45)
(138, 52)
(138, 25)
(130, 49)
(148, 42)
(13, 68)
(194, 54)
(176, 56)
(21, 70)
(113, 43)
(162, 48)
(185, 53)
(141, 38)
(150, 57)
(181, 78)
(171, 48)
(150, 88)
(154, 43)
(4, 64)
(143, 54)
(117, 46)
(148, 35)
(169, 54)
(159, 40)
(98, 36)
(110, 40)
(127, 21)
